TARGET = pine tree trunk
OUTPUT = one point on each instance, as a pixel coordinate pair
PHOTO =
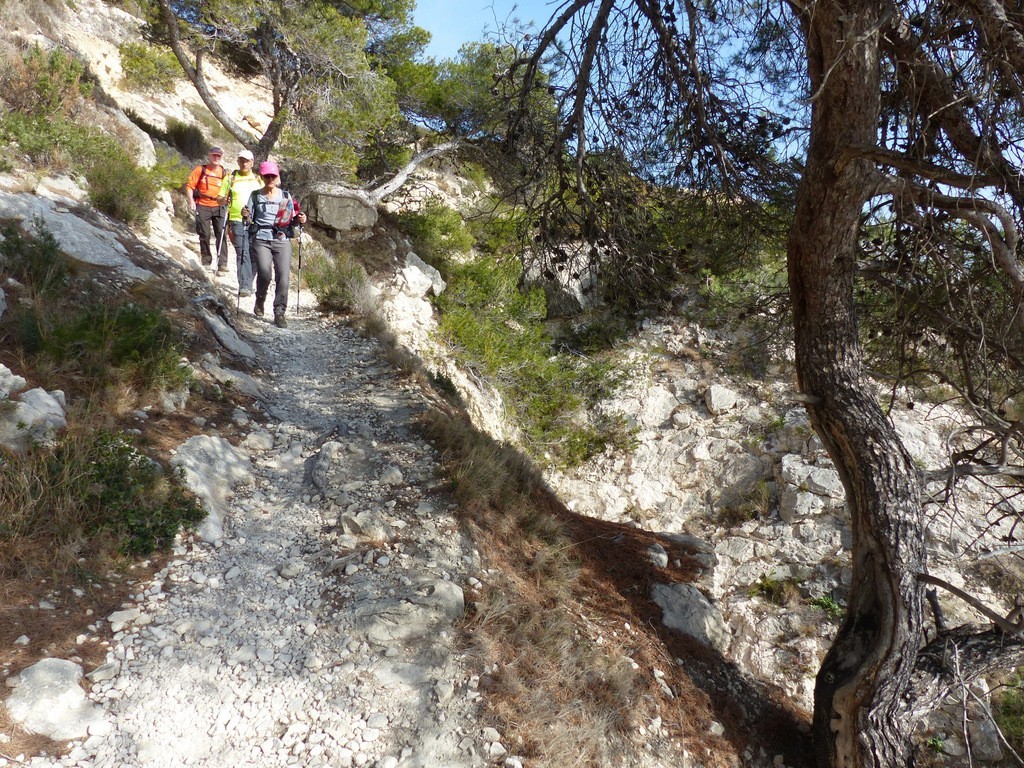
(860, 704)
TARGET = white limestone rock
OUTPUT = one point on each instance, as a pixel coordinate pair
(687, 611)
(35, 417)
(228, 337)
(48, 700)
(415, 281)
(81, 240)
(719, 399)
(331, 206)
(10, 382)
(437, 283)
(237, 381)
(212, 467)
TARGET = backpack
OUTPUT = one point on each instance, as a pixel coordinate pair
(196, 194)
(284, 221)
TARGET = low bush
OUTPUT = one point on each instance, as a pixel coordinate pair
(36, 262)
(171, 171)
(86, 342)
(187, 138)
(337, 280)
(118, 185)
(90, 494)
(149, 67)
(499, 329)
(437, 232)
(44, 84)
(103, 344)
(47, 89)
(781, 592)
(830, 606)
(1008, 711)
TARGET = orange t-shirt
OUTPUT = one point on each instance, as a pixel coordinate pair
(204, 184)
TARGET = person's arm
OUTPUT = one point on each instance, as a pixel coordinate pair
(224, 198)
(190, 187)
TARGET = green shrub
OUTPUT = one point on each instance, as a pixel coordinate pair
(92, 485)
(147, 67)
(35, 262)
(186, 138)
(337, 280)
(437, 232)
(496, 327)
(781, 592)
(1008, 710)
(108, 343)
(118, 185)
(497, 233)
(830, 606)
(55, 141)
(171, 171)
(45, 84)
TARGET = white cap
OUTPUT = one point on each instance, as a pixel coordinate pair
(245, 154)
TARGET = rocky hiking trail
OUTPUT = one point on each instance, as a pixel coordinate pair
(316, 628)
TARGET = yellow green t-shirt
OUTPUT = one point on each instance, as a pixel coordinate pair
(237, 187)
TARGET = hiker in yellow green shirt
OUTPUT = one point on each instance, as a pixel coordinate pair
(235, 190)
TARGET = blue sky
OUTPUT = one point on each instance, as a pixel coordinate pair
(454, 22)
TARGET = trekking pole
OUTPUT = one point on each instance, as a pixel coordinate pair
(298, 253)
(220, 240)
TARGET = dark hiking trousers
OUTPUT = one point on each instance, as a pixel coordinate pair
(207, 218)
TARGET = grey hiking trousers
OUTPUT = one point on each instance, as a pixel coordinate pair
(276, 254)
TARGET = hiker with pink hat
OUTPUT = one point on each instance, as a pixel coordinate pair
(272, 214)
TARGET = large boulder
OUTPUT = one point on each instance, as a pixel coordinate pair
(84, 241)
(212, 468)
(687, 611)
(35, 417)
(48, 699)
(330, 207)
(417, 271)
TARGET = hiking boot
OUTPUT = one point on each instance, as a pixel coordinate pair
(245, 293)
(258, 309)
(279, 320)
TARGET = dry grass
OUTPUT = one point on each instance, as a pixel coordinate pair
(79, 598)
(570, 639)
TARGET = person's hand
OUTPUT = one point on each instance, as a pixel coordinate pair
(191, 206)
(222, 200)
(245, 212)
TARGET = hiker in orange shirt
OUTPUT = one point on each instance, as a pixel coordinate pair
(202, 190)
